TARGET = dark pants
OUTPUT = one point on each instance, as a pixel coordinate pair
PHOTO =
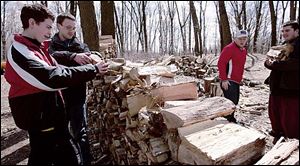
(76, 112)
(52, 148)
(233, 94)
(284, 116)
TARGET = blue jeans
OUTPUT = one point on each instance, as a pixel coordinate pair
(233, 94)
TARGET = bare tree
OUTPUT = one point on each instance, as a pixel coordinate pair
(73, 7)
(181, 26)
(225, 32)
(107, 18)
(273, 23)
(258, 6)
(293, 8)
(89, 24)
(196, 28)
(144, 24)
(3, 32)
(171, 12)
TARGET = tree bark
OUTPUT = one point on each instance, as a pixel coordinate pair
(3, 31)
(273, 23)
(73, 8)
(107, 18)
(225, 25)
(196, 28)
(293, 7)
(89, 24)
(257, 25)
(144, 21)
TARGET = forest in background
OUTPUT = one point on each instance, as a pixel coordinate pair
(164, 27)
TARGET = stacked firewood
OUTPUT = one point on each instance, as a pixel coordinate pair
(125, 123)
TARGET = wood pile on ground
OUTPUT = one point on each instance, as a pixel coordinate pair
(146, 113)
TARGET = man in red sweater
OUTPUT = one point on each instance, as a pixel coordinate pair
(231, 68)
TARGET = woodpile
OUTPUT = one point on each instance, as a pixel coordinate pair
(145, 113)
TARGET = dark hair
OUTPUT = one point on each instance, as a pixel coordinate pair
(61, 17)
(294, 24)
(36, 11)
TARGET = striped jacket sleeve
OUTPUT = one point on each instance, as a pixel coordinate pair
(41, 75)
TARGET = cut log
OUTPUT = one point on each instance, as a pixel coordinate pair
(176, 92)
(293, 159)
(176, 103)
(200, 111)
(219, 143)
(136, 102)
(156, 70)
(207, 84)
(279, 152)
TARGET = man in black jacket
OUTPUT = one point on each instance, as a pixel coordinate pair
(284, 87)
(69, 51)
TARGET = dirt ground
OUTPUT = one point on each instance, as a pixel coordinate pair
(252, 112)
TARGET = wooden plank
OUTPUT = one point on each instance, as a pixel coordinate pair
(157, 70)
(200, 111)
(279, 152)
(176, 92)
(218, 143)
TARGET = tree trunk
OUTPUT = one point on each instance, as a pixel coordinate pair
(3, 31)
(182, 25)
(196, 28)
(120, 35)
(107, 18)
(244, 14)
(89, 24)
(171, 12)
(225, 25)
(273, 23)
(73, 8)
(144, 25)
(293, 8)
(257, 25)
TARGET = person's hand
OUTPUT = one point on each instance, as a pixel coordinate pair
(82, 58)
(269, 61)
(225, 84)
(102, 67)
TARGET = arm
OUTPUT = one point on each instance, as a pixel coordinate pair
(62, 57)
(290, 65)
(43, 76)
(225, 56)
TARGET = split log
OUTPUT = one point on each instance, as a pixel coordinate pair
(176, 91)
(136, 102)
(197, 112)
(207, 84)
(279, 152)
(219, 143)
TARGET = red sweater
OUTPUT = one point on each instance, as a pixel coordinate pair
(232, 62)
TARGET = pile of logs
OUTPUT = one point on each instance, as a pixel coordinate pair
(132, 120)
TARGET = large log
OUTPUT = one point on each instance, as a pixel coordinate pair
(176, 91)
(279, 152)
(200, 111)
(219, 143)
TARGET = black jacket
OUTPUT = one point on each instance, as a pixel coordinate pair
(64, 52)
(284, 76)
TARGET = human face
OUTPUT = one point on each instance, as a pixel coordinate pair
(42, 30)
(241, 41)
(288, 33)
(66, 29)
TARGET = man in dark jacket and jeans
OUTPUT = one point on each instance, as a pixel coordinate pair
(284, 87)
(34, 97)
(69, 51)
